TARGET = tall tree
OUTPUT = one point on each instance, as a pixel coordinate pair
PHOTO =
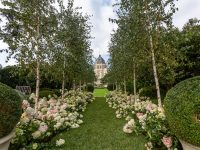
(26, 32)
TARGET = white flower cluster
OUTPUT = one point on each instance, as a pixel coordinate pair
(60, 142)
(54, 115)
(120, 102)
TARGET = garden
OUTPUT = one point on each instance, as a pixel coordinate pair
(148, 99)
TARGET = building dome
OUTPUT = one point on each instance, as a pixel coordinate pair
(100, 60)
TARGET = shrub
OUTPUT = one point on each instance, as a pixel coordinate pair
(111, 87)
(129, 88)
(149, 91)
(22, 95)
(90, 88)
(10, 109)
(57, 92)
(46, 93)
(182, 107)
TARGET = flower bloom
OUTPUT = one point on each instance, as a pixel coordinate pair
(167, 141)
(43, 128)
(60, 142)
(36, 134)
(149, 145)
(139, 114)
(25, 104)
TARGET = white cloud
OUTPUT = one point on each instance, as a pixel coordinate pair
(187, 9)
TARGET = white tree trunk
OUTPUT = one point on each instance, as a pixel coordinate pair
(134, 82)
(155, 72)
(116, 86)
(37, 68)
(124, 85)
(74, 86)
(63, 85)
(80, 85)
(37, 86)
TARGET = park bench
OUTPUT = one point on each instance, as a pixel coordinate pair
(24, 89)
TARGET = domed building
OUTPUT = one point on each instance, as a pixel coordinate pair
(100, 69)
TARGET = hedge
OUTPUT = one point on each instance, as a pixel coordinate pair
(182, 106)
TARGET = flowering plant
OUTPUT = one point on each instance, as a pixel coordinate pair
(54, 115)
(145, 118)
(120, 102)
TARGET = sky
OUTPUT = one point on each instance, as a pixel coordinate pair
(102, 10)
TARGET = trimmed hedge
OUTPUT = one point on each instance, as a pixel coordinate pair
(90, 88)
(111, 87)
(149, 91)
(46, 93)
(182, 106)
(10, 109)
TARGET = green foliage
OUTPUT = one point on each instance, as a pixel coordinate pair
(111, 87)
(129, 88)
(188, 51)
(182, 111)
(46, 93)
(90, 87)
(149, 91)
(10, 109)
(22, 95)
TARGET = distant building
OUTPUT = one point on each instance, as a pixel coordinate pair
(100, 69)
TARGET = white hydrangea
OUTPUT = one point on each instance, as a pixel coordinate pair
(36, 134)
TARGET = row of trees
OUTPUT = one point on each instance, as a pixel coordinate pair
(49, 35)
(147, 50)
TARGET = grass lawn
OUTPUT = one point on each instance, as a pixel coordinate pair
(101, 130)
(100, 92)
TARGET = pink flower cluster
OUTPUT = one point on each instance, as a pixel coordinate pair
(167, 141)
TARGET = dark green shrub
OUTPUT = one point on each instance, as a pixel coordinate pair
(182, 107)
(90, 88)
(111, 87)
(46, 93)
(57, 92)
(149, 91)
(22, 95)
(10, 109)
(129, 88)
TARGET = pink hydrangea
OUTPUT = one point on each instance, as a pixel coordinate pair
(167, 141)
(53, 111)
(149, 107)
(43, 128)
(139, 114)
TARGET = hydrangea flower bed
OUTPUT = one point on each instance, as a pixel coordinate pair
(143, 117)
(54, 115)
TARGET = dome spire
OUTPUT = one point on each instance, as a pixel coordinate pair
(100, 60)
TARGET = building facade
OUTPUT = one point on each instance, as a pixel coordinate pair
(100, 69)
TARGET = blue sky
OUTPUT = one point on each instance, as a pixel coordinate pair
(101, 11)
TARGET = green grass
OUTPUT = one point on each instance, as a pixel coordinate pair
(100, 92)
(101, 130)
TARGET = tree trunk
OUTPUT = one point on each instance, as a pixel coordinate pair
(74, 86)
(116, 86)
(134, 82)
(63, 85)
(80, 85)
(124, 85)
(155, 72)
(37, 68)
(37, 85)
(84, 86)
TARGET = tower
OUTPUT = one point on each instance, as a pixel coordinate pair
(100, 69)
